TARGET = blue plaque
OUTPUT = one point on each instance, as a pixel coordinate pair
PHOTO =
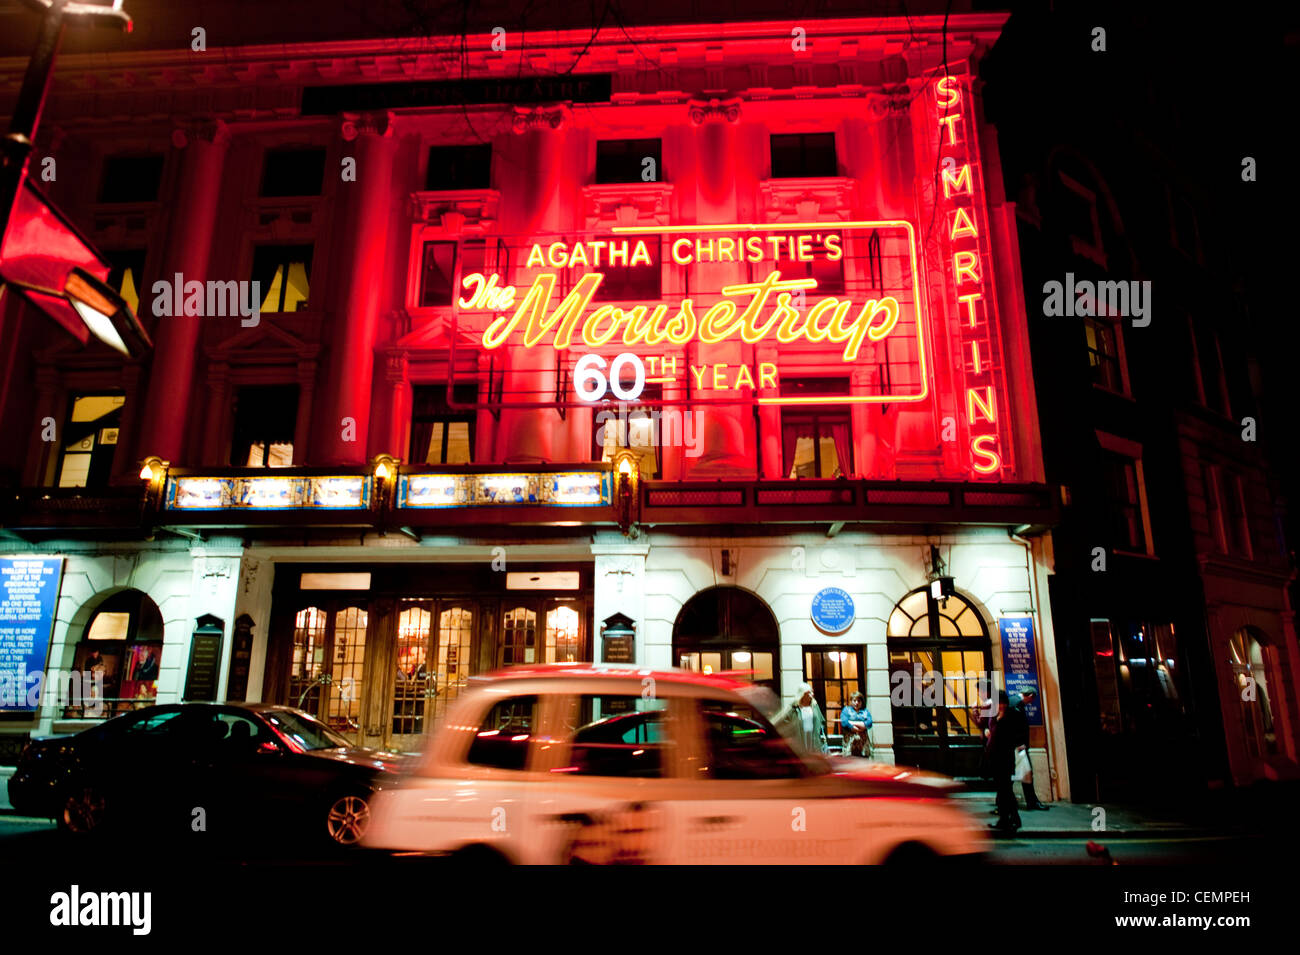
(29, 591)
(832, 610)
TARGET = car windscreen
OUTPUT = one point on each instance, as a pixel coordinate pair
(304, 731)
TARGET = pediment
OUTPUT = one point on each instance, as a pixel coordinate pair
(263, 338)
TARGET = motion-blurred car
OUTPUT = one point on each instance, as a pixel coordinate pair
(244, 770)
(597, 764)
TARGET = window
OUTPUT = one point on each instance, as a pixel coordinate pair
(503, 737)
(265, 419)
(1151, 680)
(835, 675)
(440, 435)
(742, 744)
(1079, 218)
(624, 160)
(1103, 660)
(1126, 499)
(282, 273)
(1237, 519)
(131, 179)
(438, 274)
(459, 167)
(1211, 382)
(803, 155)
(1103, 353)
(631, 283)
(622, 736)
(519, 637)
(124, 275)
(1250, 668)
(118, 658)
(828, 273)
(563, 635)
(89, 440)
(293, 172)
(1214, 507)
(635, 425)
(816, 440)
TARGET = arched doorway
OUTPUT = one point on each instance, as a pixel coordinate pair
(726, 629)
(940, 661)
(119, 654)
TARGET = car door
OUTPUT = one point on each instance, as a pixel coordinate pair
(754, 800)
(609, 784)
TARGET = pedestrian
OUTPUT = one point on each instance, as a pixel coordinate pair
(801, 719)
(1028, 696)
(855, 727)
(1003, 739)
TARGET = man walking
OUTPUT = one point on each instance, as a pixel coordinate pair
(1004, 737)
(1028, 696)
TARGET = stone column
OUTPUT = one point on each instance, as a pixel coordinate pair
(398, 405)
(176, 338)
(620, 573)
(723, 430)
(306, 395)
(353, 318)
(218, 411)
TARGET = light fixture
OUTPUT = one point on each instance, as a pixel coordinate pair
(627, 473)
(153, 468)
(385, 467)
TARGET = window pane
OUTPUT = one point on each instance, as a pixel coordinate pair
(460, 167)
(438, 274)
(624, 160)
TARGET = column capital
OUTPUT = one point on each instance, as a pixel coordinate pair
(375, 123)
(702, 110)
(214, 132)
(541, 117)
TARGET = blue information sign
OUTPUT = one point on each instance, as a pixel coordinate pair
(832, 610)
(29, 590)
(1020, 662)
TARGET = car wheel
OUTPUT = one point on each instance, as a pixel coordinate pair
(83, 810)
(913, 856)
(347, 819)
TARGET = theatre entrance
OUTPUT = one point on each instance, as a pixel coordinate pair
(382, 661)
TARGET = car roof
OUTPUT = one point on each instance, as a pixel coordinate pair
(605, 671)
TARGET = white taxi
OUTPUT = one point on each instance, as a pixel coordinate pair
(583, 763)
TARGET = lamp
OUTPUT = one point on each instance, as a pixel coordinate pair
(627, 474)
(942, 586)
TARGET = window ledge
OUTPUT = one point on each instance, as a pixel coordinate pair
(455, 209)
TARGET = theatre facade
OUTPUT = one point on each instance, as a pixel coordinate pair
(698, 347)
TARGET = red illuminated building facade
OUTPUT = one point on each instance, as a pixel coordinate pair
(715, 334)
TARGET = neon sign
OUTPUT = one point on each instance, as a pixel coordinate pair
(774, 307)
(972, 286)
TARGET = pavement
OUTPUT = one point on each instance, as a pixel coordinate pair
(1068, 820)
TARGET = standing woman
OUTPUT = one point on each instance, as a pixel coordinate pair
(801, 719)
(855, 725)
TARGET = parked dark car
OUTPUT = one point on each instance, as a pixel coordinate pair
(221, 772)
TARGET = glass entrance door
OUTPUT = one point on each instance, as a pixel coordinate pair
(327, 665)
(434, 647)
(542, 630)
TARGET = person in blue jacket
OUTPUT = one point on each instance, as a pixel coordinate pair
(855, 725)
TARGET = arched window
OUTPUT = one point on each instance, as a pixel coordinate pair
(118, 657)
(940, 665)
(726, 629)
(1250, 667)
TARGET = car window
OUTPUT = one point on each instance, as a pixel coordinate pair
(241, 733)
(503, 737)
(741, 744)
(154, 726)
(624, 736)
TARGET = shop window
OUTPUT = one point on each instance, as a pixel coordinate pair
(1250, 668)
(293, 172)
(1103, 661)
(126, 268)
(90, 440)
(459, 167)
(1104, 357)
(835, 675)
(131, 179)
(118, 657)
(1151, 678)
(265, 419)
(1126, 497)
(624, 160)
(503, 738)
(637, 426)
(283, 275)
(816, 441)
(803, 155)
(439, 434)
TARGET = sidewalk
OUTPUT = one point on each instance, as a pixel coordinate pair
(1083, 821)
